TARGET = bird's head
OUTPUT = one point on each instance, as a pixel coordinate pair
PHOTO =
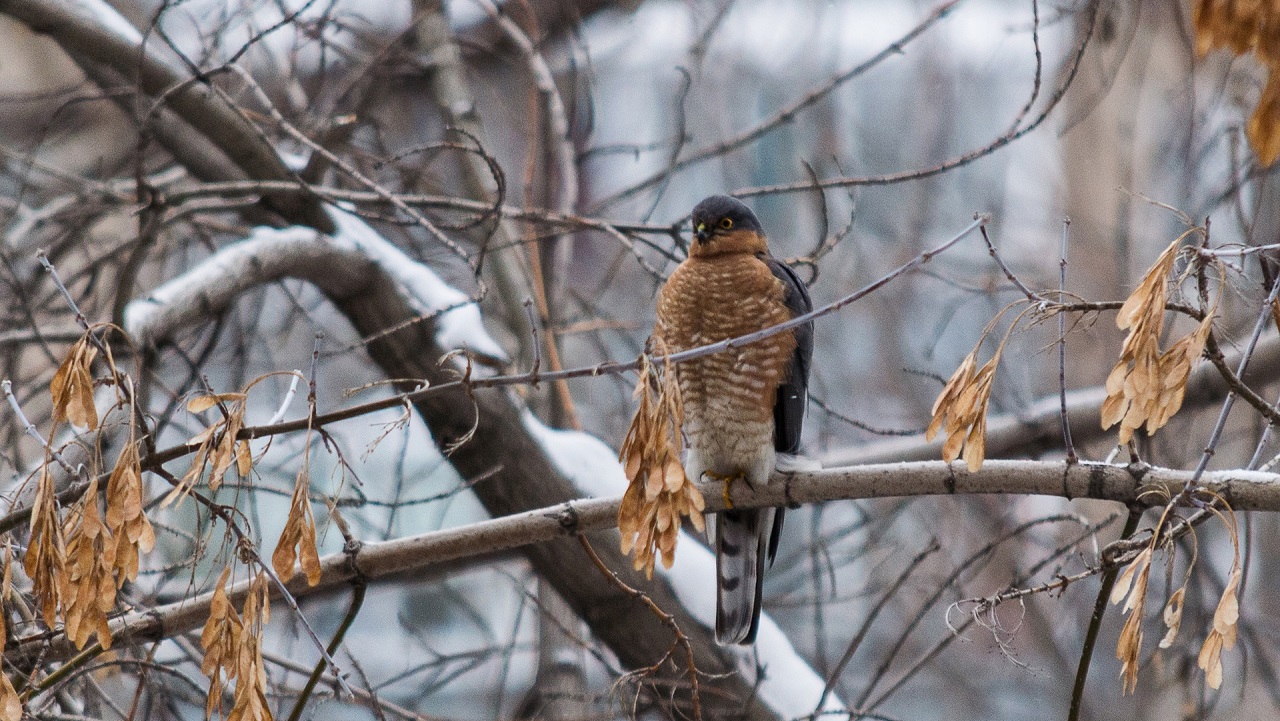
(725, 225)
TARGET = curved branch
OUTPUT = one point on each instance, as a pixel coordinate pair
(96, 37)
(788, 114)
(1015, 132)
(405, 343)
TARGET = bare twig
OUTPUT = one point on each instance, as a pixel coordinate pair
(1214, 436)
(1095, 622)
(991, 250)
(787, 114)
(1015, 131)
(1062, 344)
(891, 592)
(681, 639)
(31, 429)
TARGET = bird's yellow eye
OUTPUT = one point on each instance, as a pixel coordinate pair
(726, 223)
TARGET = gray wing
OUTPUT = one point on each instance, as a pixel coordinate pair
(793, 392)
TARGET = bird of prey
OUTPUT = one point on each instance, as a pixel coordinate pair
(742, 406)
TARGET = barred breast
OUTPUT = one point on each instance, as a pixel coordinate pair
(728, 396)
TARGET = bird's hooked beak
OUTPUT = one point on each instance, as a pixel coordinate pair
(700, 232)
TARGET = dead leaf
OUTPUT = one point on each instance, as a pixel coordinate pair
(91, 588)
(298, 538)
(72, 387)
(1173, 617)
(125, 518)
(1263, 128)
(961, 408)
(202, 403)
(1131, 587)
(220, 640)
(45, 560)
(1147, 386)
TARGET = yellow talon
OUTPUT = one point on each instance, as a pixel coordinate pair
(728, 480)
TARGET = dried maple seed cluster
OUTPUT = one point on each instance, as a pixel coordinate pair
(1131, 587)
(125, 518)
(658, 494)
(298, 539)
(76, 564)
(89, 590)
(961, 408)
(46, 559)
(217, 444)
(1223, 633)
(72, 386)
(1147, 386)
(233, 651)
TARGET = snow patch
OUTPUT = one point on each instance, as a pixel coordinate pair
(108, 17)
(788, 685)
(457, 318)
(458, 324)
(585, 460)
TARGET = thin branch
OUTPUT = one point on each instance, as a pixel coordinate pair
(199, 126)
(1247, 355)
(353, 609)
(1095, 622)
(670, 621)
(31, 429)
(788, 113)
(346, 167)
(889, 594)
(222, 279)
(1015, 131)
(1062, 344)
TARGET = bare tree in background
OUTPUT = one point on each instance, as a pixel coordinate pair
(321, 324)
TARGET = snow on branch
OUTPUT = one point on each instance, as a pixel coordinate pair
(340, 265)
(458, 323)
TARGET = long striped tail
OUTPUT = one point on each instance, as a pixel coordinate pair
(742, 543)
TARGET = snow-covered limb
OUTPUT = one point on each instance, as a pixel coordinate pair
(384, 294)
(340, 264)
(458, 323)
(206, 290)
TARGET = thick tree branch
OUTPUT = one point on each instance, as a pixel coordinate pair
(369, 295)
(110, 50)
(1142, 486)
